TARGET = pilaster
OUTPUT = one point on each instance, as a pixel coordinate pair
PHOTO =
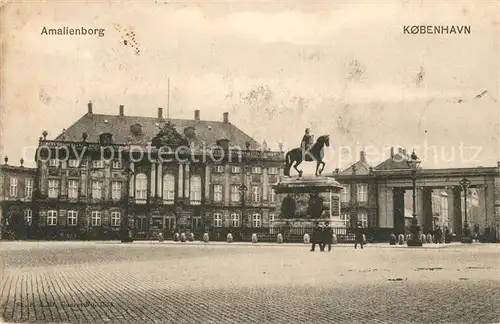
(207, 182)
(152, 180)
(186, 180)
(180, 183)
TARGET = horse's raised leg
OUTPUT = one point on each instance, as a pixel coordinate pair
(322, 167)
(317, 167)
(295, 167)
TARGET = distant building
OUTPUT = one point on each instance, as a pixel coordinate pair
(221, 177)
(16, 192)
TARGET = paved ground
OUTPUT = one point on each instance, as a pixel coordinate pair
(103, 282)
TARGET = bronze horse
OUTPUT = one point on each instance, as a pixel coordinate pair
(314, 153)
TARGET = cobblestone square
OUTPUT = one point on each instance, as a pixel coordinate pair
(152, 282)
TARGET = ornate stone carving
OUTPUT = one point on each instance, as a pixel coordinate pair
(168, 136)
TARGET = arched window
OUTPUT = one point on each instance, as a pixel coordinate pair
(168, 188)
(195, 194)
(141, 186)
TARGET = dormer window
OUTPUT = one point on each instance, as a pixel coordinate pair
(106, 138)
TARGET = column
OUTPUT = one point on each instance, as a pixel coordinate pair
(159, 180)
(226, 185)
(353, 212)
(207, 182)
(424, 204)
(186, 180)
(265, 185)
(383, 208)
(481, 218)
(44, 181)
(64, 179)
(180, 181)
(457, 211)
(131, 187)
(398, 199)
(106, 186)
(152, 180)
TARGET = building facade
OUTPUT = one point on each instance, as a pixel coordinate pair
(152, 175)
(16, 204)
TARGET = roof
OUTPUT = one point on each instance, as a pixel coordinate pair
(206, 132)
(396, 162)
(362, 168)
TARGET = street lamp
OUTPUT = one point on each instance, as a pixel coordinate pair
(125, 234)
(413, 163)
(465, 184)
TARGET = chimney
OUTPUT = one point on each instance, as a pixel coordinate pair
(160, 113)
(362, 156)
(121, 111)
(89, 105)
(225, 117)
(392, 152)
(197, 115)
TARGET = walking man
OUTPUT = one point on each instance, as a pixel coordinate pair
(358, 235)
(316, 237)
(328, 236)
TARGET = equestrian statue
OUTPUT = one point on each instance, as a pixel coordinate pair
(308, 151)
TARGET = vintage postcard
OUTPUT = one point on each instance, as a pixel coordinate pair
(250, 161)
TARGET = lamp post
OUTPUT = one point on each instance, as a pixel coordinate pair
(465, 184)
(413, 163)
(125, 235)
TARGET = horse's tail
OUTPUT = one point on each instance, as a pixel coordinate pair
(288, 164)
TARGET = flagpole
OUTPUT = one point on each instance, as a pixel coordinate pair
(168, 98)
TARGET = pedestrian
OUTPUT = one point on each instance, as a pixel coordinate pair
(327, 236)
(316, 237)
(358, 235)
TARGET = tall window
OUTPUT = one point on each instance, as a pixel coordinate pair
(96, 218)
(116, 190)
(28, 216)
(73, 163)
(362, 192)
(272, 217)
(363, 218)
(53, 188)
(72, 217)
(235, 220)
(235, 169)
(257, 170)
(53, 162)
(52, 217)
(141, 186)
(73, 189)
(217, 219)
(346, 193)
(256, 194)
(168, 188)
(345, 218)
(272, 196)
(116, 164)
(97, 189)
(28, 188)
(195, 190)
(13, 187)
(256, 220)
(115, 218)
(217, 192)
(273, 170)
(235, 193)
(219, 168)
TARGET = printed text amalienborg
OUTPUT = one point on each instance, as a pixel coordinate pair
(73, 31)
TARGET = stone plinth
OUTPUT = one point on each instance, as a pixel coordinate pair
(307, 184)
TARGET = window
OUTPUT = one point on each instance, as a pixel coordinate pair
(256, 170)
(73, 163)
(196, 222)
(272, 217)
(116, 165)
(282, 172)
(256, 194)
(168, 188)
(256, 220)
(13, 187)
(28, 216)
(217, 192)
(116, 190)
(96, 218)
(346, 219)
(235, 220)
(53, 162)
(28, 188)
(73, 189)
(219, 168)
(97, 164)
(273, 170)
(52, 217)
(96, 189)
(53, 188)
(115, 218)
(346, 194)
(235, 169)
(195, 187)
(235, 193)
(141, 186)
(362, 193)
(272, 195)
(217, 219)
(72, 217)
(363, 218)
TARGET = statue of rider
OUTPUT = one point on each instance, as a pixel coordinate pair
(307, 140)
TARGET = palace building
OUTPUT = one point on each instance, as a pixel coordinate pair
(153, 173)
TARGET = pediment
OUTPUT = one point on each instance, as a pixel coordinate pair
(168, 136)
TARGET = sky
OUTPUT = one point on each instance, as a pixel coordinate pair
(345, 69)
